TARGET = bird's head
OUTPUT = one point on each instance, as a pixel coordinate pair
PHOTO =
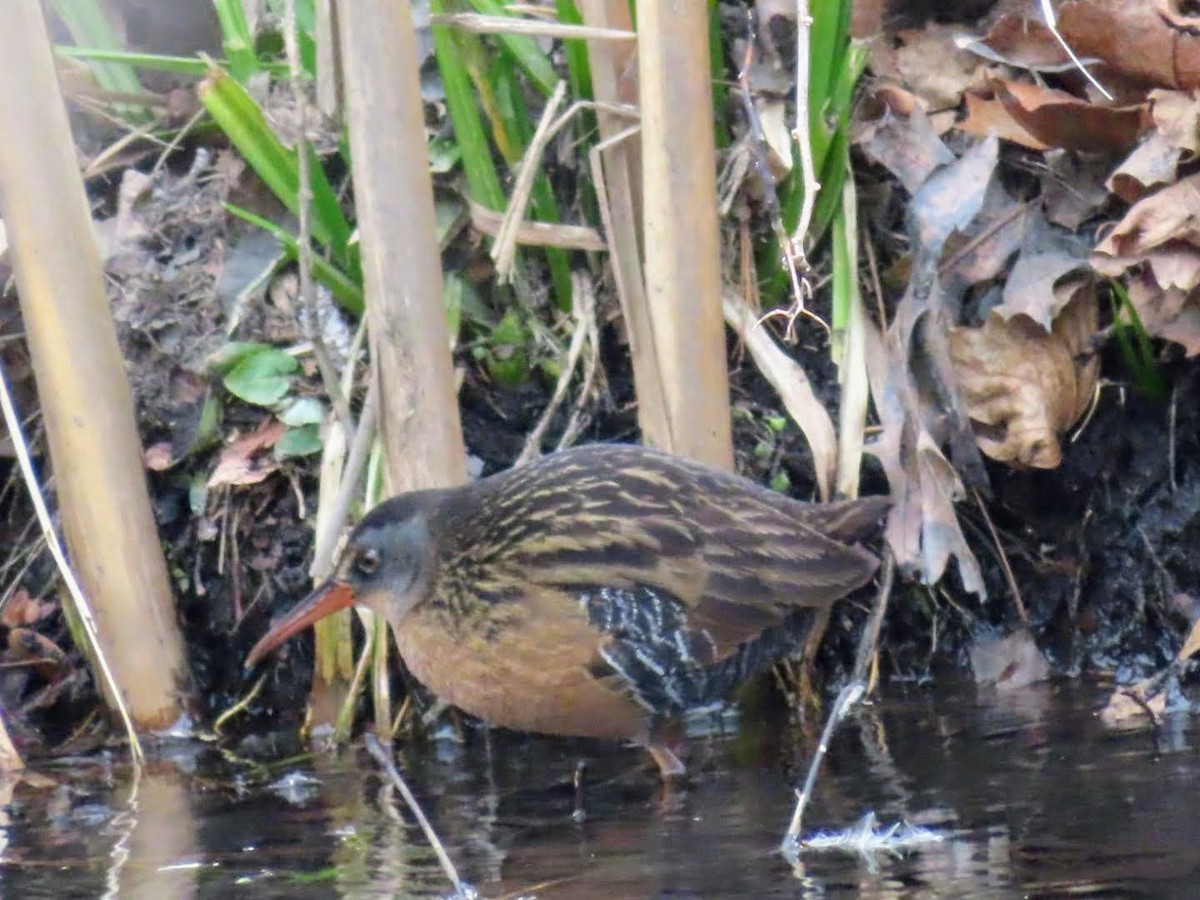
(386, 565)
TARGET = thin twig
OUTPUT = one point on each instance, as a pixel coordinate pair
(582, 284)
(308, 294)
(505, 249)
(584, 314)
(792, 252)
(855, 690)
(356, 460)
(83, 608)
(802, 132)
(461, 889)
(1009, 578)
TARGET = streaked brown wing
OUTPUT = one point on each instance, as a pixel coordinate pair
(737, 556)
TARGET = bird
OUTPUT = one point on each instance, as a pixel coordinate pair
(602, 591)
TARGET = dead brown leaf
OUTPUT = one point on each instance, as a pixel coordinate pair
(1134, 40)
(1176, 115)
(1073, 187)
(1047, 257)
(1162, 230)
(21, 609)
(1025, 43)
(902, 139)
(1022, 385)
(1154, 162)
(1171, 314)
(922, 527)
(1038, 118)
(243, 461)
(929, 62)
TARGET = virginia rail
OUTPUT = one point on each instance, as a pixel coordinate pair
(597, 592)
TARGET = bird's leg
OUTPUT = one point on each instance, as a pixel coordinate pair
(667, 743)
(670, 766)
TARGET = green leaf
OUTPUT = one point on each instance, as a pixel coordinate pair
(453, 288)
(523, 50)
(777, 423)
(232, 353)
(302, 411)
(444, 155)
(508, 362)
(261, 377)
(781, 482)
(302, 441)
(237, 38)
(469, 133)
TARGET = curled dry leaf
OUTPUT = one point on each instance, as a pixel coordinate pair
(789, 379)
(922, 527)
(1162, 230)
(1039, 118)
(1171, 314)
(1024, 43)
(1154, 162)
(243, 461)
(1022, 385)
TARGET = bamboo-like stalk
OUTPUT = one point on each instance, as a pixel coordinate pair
(94, 446)
(418, 422)
(613, 69)
(683, 255)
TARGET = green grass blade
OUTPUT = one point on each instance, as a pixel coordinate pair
(482, 180)
(182, 65)
(237, 39)
(90, 27)
(523, 50)
(244, 123)
(579, 67)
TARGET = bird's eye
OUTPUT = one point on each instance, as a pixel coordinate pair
(367, 561)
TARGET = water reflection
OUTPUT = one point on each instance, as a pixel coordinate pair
(1032, 797)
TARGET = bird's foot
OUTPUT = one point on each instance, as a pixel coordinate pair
(670, 766)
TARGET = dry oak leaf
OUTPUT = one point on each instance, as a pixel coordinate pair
(1038, 118)
(1134, 40)
(1162, 230)
(1155, 160)
(1170, 313)
(1021, 384)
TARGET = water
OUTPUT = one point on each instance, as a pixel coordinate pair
(1031, 797)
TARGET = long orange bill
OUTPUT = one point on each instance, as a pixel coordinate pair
(327, 599)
